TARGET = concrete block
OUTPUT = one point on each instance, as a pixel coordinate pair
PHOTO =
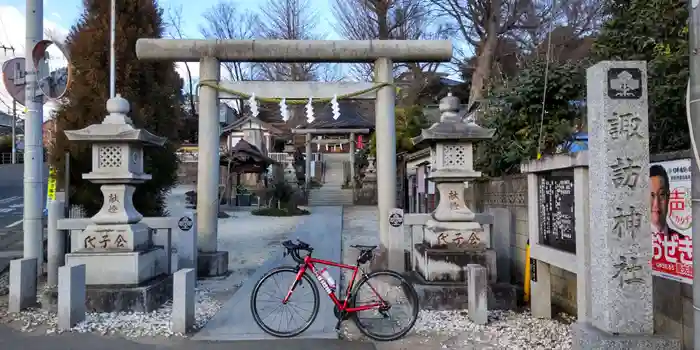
(212, 264)
(187, 242)
(477, 295)
(183, 300)
(503, 237)
(541, 291)
(119, 268)
(144, 297)
(22, 284)
(71, 296)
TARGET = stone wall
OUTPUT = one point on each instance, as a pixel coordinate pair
(510, 192)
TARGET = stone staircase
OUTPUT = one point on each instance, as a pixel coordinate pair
(332, 193)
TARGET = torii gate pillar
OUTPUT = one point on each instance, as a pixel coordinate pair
(383, 53)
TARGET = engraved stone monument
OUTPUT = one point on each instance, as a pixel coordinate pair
(122, 270)
(452, 238)
(620, 246)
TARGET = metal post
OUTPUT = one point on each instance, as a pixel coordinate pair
(14, 131)
(33, 148)
(386, 149)
(112, 54)
(694, 125)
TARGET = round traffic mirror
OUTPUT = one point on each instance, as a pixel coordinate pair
(53, 69)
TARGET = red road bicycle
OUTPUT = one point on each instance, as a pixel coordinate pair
(284, 298)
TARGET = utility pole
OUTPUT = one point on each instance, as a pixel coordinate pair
(14, 131)
(694, 126)
(33, 150)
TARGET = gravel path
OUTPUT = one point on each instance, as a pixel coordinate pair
(250, 241)
(452, 329)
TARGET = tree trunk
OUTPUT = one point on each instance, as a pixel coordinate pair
(484, 61)
(482, 72)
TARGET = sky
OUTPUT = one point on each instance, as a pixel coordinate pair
(60, 15)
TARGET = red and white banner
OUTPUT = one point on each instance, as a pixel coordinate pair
(671, 220)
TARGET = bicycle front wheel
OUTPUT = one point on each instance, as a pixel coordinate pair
(394, 321)
(277, 318)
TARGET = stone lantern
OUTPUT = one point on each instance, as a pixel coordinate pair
(452, 238)
(116, 248)
(290, 173)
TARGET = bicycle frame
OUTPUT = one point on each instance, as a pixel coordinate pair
(343, 307)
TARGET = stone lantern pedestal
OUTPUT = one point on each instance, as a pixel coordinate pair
(122, 264)
(452, 238)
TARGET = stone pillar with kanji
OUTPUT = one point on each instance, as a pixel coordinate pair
(452, 238)
(117, 248)
(620, 246)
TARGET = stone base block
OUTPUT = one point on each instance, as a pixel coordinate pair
(144, 297)
(212, 264)
(454, 296)
(450, 264)
(588, 337)
(119, 268)
(22, 284)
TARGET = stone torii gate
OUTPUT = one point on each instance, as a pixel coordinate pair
(210, 54)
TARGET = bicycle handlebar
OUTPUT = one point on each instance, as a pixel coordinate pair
(294, 248)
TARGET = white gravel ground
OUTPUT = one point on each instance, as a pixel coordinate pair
(452, 329)
(250, 241)
(127, 324)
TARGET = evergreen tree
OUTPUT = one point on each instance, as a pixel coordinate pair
(655, 31)
(153, 90)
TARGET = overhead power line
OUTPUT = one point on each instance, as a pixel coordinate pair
(7, 49)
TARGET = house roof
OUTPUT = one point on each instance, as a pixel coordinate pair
(237, 124)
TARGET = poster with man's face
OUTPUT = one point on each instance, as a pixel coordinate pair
(671, 220)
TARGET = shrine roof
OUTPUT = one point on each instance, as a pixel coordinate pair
(245, 157)
(351, 117)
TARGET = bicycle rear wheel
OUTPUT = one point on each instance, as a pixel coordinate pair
(271, 291)
(391, 324)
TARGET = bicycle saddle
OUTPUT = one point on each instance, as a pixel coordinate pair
(364, 247)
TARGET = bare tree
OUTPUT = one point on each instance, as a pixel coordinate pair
(174, 23)
(226, 21)
(486, 25)
(480, 24)
(386, 20)
(290, 20)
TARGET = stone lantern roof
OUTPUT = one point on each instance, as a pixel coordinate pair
(116, 127)
(451, 127)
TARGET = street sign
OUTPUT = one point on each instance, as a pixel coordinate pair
(13, 72)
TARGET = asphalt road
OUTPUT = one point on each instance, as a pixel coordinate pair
(11, 206)
(11, 339)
